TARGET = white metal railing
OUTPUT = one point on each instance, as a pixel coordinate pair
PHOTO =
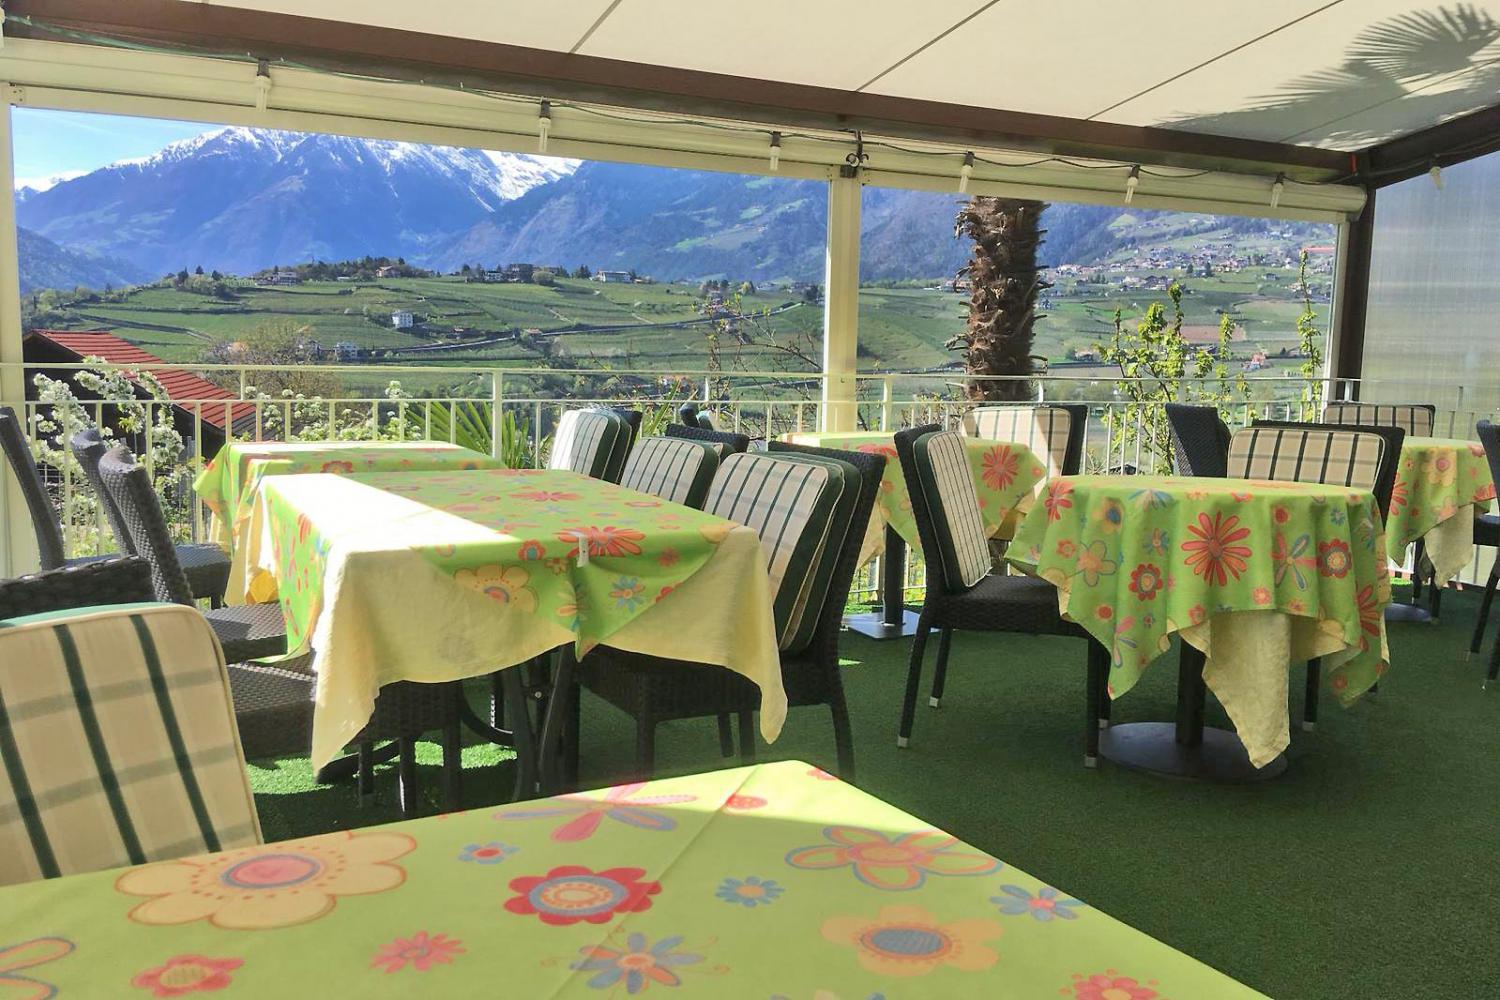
(760, 404)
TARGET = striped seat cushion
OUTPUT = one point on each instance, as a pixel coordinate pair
(1343, 458)
(674, 469)
(117, 742)
(942, 466)
(1416, 419)
(803, 621)
(790, 505)
(1044, 430)
(588, 441)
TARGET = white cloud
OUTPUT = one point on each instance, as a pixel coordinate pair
(43, 183)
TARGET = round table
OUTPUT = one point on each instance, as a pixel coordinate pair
(1252, 575)
(1441, 484)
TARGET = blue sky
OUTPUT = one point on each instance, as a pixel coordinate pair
(49, 143)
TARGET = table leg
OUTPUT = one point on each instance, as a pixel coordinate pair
(1185, 748)
(1413, 612)
(550, 746)
(893, 621)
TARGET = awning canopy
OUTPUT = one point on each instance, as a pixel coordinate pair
(1277, 108)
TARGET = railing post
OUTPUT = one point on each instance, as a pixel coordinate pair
(887, 403)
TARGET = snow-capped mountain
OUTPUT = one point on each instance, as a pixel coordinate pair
(240, 199)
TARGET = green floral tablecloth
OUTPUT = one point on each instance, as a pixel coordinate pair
(1138, 558)
(773, 881)
(1005, 475)
(1441, 483)
(228, 482)
(443, 575)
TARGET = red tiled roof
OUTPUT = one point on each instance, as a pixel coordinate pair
(180, 385)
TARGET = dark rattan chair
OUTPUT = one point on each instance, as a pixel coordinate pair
(205, 565)
(963, 594)
(1487, 532)
(49, 536)
(727, 442)
(119, 580)
(654, 690)
(1200, 440)
(1294, 460)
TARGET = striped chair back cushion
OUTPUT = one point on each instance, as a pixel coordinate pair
(790, 506)
(1341, 458)
(674, 469)
(118, 743)
(1415, 419)
(585, 442)
(802, 624)
(948, 487)
(1042, 429)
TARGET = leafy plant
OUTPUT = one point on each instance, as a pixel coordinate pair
(1310, 341)
(1158, 366)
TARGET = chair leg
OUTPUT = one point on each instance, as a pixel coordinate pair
(522, 735)
(726, 736)
(1310, 699)
(1416, 571)
(747, 737)
(645, 748)
(407, 774)
(366, 773)
(913, 681)
(572, 736)
(1484, 609)
(453, 766)
(1098, 666)
(940, 672)
(843, 738)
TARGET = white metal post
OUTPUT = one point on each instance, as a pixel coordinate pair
(841, 305)
(18, 552)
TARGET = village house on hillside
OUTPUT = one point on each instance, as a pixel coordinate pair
(402, 320)
(279, 278)
(613, 277)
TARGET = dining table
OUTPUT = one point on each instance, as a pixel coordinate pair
(1006, 475)
(769, 881)
(228, 482)
(1251, 575)
(444, 575)
(1442, 484)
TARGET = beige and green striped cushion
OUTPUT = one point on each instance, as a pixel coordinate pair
(1043, 430)
(1343, 458)
(675, 469)
(790, 506)
(948, 487)
(118, 743)
(803, 621)
(1414, 419)
(586, 442)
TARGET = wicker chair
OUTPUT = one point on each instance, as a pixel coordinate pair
(591, 442)
(962, 593)
(1487, 532)
(1345, 455)
(1200, 440)
(1416, 419)
(118, 580)
(674, 469)
(727, 442)
(654, 690)
(49, 536)
(121, 749)
(206, 566)
(1052, 431)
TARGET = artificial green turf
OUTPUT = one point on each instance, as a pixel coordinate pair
(1364, 873)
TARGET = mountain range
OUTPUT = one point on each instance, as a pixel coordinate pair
(240, 200)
